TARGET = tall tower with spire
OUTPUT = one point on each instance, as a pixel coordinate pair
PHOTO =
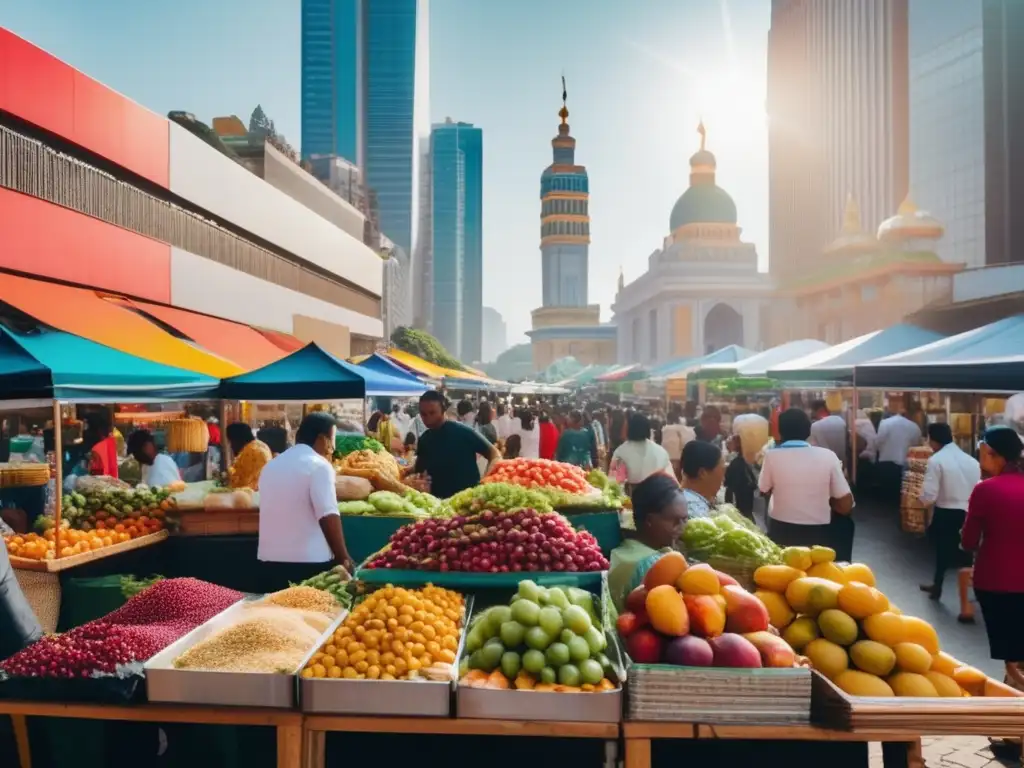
(564, 221)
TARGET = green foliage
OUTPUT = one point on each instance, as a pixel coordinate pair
(741, 384)
(201, 130)
(422, 344)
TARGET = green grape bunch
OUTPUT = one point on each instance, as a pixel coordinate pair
(499, 497)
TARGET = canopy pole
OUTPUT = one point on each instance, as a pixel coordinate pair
(58, 451)
(854, 454)
(224, 445)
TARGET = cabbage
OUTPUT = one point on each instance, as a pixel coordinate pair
(701, 533)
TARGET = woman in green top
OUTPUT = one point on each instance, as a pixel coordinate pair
(576, 445)
(659, 511)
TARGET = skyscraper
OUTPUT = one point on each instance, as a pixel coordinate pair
(564, 222)
(837, 104)
(495, 334)
(456, 264)
(365, 75)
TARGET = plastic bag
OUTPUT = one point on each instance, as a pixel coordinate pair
(19, 626)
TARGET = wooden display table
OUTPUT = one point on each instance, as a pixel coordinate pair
(315, 728)
(900, 750)
(287, 723)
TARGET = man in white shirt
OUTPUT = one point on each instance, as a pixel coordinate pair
(401, 421)
(896, 436)
(300, 529)
(674, 437)
(828, 430)
(948, 483)
(807, 485)
(158, 469)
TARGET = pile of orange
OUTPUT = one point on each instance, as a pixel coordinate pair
(392, 635)
(34, 546)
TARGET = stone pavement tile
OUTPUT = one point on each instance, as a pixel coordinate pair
(968, 759)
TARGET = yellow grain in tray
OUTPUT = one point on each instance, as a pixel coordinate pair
(267, 639)
(306, 598)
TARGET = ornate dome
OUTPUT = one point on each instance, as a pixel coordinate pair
(704, 202)
(909, 223)
(852, 238)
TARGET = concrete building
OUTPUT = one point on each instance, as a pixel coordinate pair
(566, 325)
(837, 105)
(149, 212)
(701, 291)
(495, 334)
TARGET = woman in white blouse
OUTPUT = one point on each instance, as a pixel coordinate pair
(529, 435)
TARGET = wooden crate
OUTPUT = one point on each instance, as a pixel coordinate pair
(1000, 712)
(913, 516)
(63, 563)
(222, 522)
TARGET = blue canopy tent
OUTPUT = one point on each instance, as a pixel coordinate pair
(678, 367)
(380, 364)
(757, 365)
(836, 364)
(986, 359)
(313, 374)
(47, 364)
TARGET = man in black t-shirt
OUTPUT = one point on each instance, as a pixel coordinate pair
(447, 451)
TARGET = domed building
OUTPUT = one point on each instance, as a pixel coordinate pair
(865, 282)
(702, 290)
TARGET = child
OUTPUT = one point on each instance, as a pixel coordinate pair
(740, 481)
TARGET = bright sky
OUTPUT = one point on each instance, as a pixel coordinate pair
(640, 76)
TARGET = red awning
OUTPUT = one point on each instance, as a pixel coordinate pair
(239, 343)
(285, 341)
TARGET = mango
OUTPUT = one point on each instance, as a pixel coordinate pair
(707, 617)
(911, 657)
(838, 627)
(859, 572)
(971, 680)
(797, 557)
(886, 628)
(827, 570)
(827, 657)
(822, 555)
(666, 610)
(921, 632)
(744, 612)
(873, 658)
(860, 601)
(699, 579)
(858, 683)
(775, 652)
(779, 612)
(776, 578)
(798, 593)
(666, 570)
(944, 664)
(945, 686)
(912, 685)
(800, 632)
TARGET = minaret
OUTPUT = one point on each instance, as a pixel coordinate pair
(565, 221)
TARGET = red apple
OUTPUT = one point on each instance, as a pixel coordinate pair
(627, 624)
(637, 599)
(644, 646)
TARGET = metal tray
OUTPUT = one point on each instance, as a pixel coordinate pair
(165, 683)
(398, 698)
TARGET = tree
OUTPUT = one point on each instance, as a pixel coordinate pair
(260, 124)
(422, 344)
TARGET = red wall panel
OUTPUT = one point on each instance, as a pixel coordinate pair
(43, 239)
(43, 90)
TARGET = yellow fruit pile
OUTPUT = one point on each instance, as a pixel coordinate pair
(848, 630)
(394, 634)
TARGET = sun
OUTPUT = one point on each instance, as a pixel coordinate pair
(732, 106)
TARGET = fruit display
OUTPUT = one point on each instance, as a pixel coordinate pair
(500, 497)
(271, 635)
(492, 542)
(381, 469)
(729, 534)
(612, 495)
(391, 504)
(138, 630)
(74, 541)
(541, 473)
(835, 616)
(335, 581)
(394, 634)
(694, 616)
(104, 508)
(545, 639)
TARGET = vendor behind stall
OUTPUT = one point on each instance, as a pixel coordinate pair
(251, 456)
(102, 444)
(158, 469)
(300, 529)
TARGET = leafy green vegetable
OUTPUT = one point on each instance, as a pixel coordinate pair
(346, 444)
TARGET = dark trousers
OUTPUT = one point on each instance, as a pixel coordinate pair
(944, 532)
(889, 476)
(277, 576)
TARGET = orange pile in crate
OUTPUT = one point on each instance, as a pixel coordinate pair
(34, 546)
